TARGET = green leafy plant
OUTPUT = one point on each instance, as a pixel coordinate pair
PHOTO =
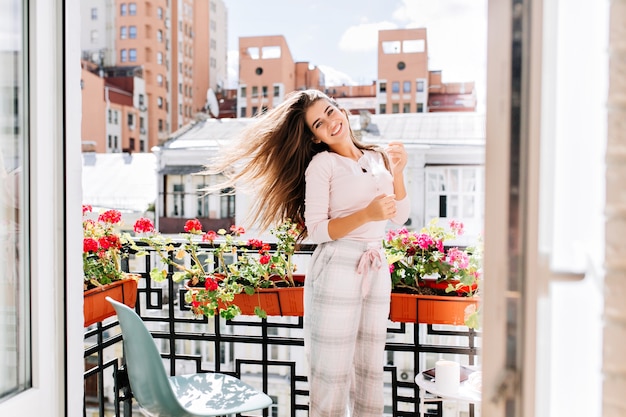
(208, 289)
(230, 266)
(419, 262)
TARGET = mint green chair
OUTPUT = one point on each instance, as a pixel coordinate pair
(200, 394)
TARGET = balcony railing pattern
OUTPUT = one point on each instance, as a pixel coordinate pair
(266, 353)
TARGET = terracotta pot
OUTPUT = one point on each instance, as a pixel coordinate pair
(430, 309)
(463, 289)
(279, 301)
(96, 308)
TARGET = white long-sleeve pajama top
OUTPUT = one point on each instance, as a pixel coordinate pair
(337, 186)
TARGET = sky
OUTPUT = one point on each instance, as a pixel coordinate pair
(341, 36)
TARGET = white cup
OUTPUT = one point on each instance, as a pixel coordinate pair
(447, 377)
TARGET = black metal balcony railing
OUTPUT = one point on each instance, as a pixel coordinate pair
(267, 353)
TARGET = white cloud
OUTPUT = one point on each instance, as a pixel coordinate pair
(233, 69)
(335, 77)
(363, 37)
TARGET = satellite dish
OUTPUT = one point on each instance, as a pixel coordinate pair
(211, 103)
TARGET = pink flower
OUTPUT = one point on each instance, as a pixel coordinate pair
(193, 226)
(237, 230)
(86, 208)
(143, 225)
(457, 227)
(458, 258)
(424, 241)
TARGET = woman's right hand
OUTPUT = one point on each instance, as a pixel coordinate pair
(382, 207)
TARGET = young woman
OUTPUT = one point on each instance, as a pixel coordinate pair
(305, 164)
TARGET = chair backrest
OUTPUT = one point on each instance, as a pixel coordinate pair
(148, 380)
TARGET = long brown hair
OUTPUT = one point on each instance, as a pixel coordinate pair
(270, 158)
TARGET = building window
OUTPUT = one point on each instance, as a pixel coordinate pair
(382, 109)
(159, 79)
(122, 32)
(420, 107)
(255, 109)
(178, 198)
(382, 87)
(242, 112)
(94, 13)
(132, 55)
(243, 92)
(94, 36)
(160, 102)
(406, 108)
(160, 35)
(131, 144)
(395, 108)
(391, 47)
(255, 91)
(123, 9)
(160, 125)
(419, 86)
(395, 87)
(455, 192)
(115, 117)
(131, 121)
(141, 100)
(110, 116)
(227, 204)
(160, 58)
(264, 88)
(276, 91)
(406, 87)
(132, 9)
(160, 13)
(132, 32)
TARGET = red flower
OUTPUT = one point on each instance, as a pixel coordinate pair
(255, 243)
(143, 225)
(90, 245)
(209, 236)
(193, 226)
(86, 208)
(110, 216)
(210, 284)
(111, 241)
(265, 259)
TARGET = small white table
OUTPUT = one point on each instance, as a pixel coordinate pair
(467, 393)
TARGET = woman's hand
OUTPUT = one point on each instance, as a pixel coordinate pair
(397, 157)
(382, 207)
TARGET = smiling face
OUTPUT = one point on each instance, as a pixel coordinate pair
(328, 124)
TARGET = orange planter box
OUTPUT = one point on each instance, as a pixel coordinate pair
(279, 301)
(288, 301)
(430, 309)
(96, 308)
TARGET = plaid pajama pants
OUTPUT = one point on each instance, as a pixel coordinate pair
(346, 307)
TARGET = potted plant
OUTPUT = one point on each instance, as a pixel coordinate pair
(432, 283)
(208, 290)
(245, 283)
(269, 276)
(104, 246)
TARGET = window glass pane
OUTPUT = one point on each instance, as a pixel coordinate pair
(14, 283)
